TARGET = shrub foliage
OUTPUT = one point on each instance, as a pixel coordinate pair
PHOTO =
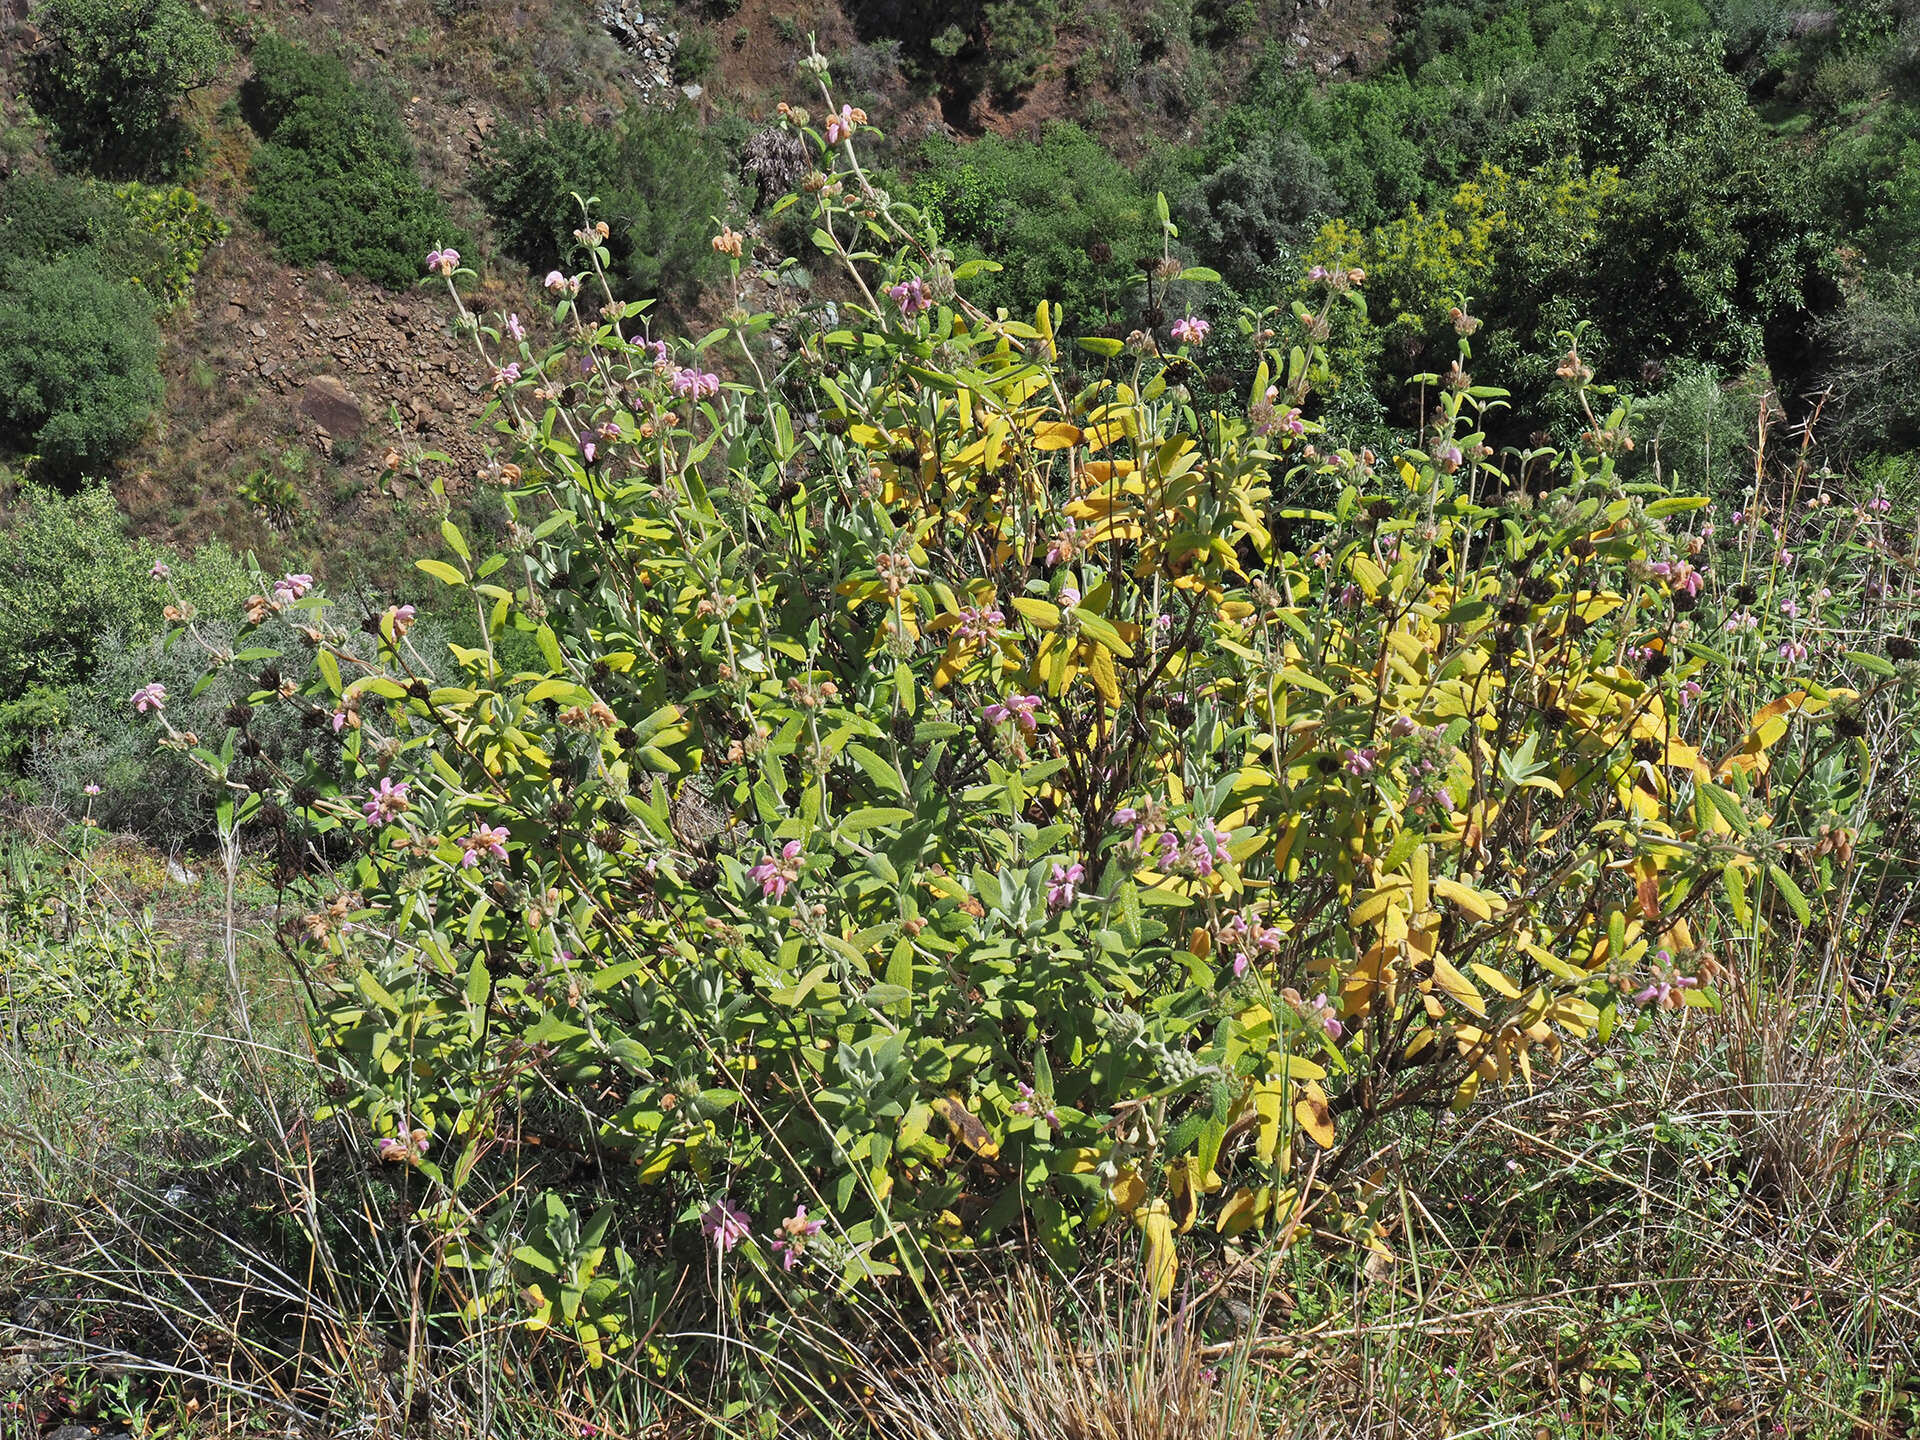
(966, 800)
(111, 73)
(335, 178)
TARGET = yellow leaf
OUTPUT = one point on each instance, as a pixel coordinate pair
(1495, 980)
(1128, 1191)
(1314, 1117)
(1479, 906)
(1457, 985)
(1244, 1209)
(1376, 903)
(1105, 679)
(1156, 1223)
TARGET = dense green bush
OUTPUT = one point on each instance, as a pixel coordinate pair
(1259, 207)
(335, 178)
(70, 576)
(1064, 220)
(153, 235)
(963, 820)
(657, 181)
(81, 612)
(111, 73)
(79, 364)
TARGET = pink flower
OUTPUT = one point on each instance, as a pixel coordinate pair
(443, 262)
(693, 384)
(1689, 692)
(794, 1232)
(840, 127)
(912, 296)
(507, 373)
(150, 697)
(1328, 1022)
(587, 451)
(1064, 889)
(405, 1150)
(92, 789)
(980, 622)
(1361, 761)
(1880, 505)
(1319, 273)
(555, 280)
(1207, 849)
(1017, 708)
(1793, 651)
(160, 570)
(339, 721)
(291, 587)
(387, 803)
(775, 873)
(1062, 547)
(725, 1225)
(487, 840)
(515, 329)
(402, 617)
(1191, 330)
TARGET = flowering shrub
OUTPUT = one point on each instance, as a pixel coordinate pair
(947, 815)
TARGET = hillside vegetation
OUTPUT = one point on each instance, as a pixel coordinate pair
(1192, 719)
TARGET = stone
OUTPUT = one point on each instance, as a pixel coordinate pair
(71, 1432)
(259, 330)
(332, 407)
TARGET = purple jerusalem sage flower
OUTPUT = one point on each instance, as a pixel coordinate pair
(1064, 888)
(725, 1225)
(775, 873)
(1191, 330)
(793, 1235)
(388, 802)
(912, 296)
(152, 696)
(488, 840)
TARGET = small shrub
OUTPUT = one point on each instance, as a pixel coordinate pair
(79, 364)
(657, 183)
(335, 179)
(177, 228)
(111, 73)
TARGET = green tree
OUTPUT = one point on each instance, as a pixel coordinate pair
(110, 75)
(79, 364)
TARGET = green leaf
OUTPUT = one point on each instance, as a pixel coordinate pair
(1200, 275)
(456, 542)
(1099, 345)
(1728, 804)
(880, 771)
(1790, 892)
(1872, 664)
(873, 817)
(1676, 505)
(440, 570)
